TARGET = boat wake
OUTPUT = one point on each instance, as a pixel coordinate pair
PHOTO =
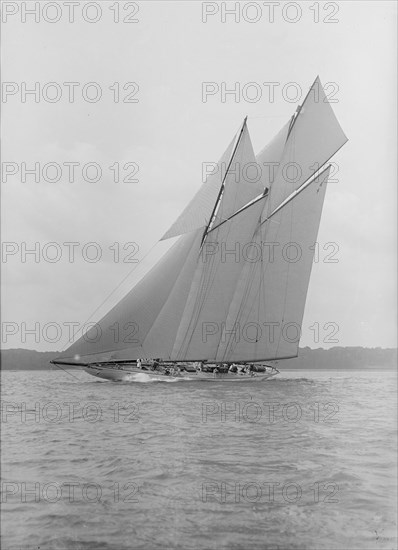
(143, 378)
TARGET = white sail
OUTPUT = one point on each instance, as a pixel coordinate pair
(269, 158)
(237, 176)
(314, 138)
(219, 267)
(242, 181)
(159, 342)
(265, 315)
(148, 306)
(126, 325)
(233, 288)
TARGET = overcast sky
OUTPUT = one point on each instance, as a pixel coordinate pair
(170, 52)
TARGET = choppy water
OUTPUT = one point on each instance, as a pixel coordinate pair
(306, 461)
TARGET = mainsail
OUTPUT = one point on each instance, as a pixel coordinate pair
(233, 287)
(266, 312)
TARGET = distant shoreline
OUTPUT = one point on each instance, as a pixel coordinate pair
(337, 358)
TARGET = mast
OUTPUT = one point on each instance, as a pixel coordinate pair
(223, 182)
(293, 120)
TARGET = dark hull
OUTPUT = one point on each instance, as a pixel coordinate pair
(135, 374)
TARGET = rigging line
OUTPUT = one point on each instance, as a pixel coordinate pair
(210, 278)
(262, 292)
(197, 306)
(195, 312)
(292, 122)
(90, 355)
(230, 347)
(288, 271)
(236, 280)
(286, 284)
(263, 273)
(223, 180)
(266, 116)
(186, 261)
(110, 294)
(288, 153)
(249, 284)
(261, 285)
(59, 367)
(247, 295)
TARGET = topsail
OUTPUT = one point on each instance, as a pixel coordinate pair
(314, 136)
(233, 286)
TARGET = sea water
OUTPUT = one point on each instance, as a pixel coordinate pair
(304, 461)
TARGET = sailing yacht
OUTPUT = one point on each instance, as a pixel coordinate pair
(228, 296)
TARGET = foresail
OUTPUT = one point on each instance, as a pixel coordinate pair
(315, 136)
(159, 341)
(266, 312)
(127, 324)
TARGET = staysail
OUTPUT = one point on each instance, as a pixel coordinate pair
(233, 287)
(127, 324)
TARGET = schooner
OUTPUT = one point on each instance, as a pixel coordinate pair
(229, 294)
